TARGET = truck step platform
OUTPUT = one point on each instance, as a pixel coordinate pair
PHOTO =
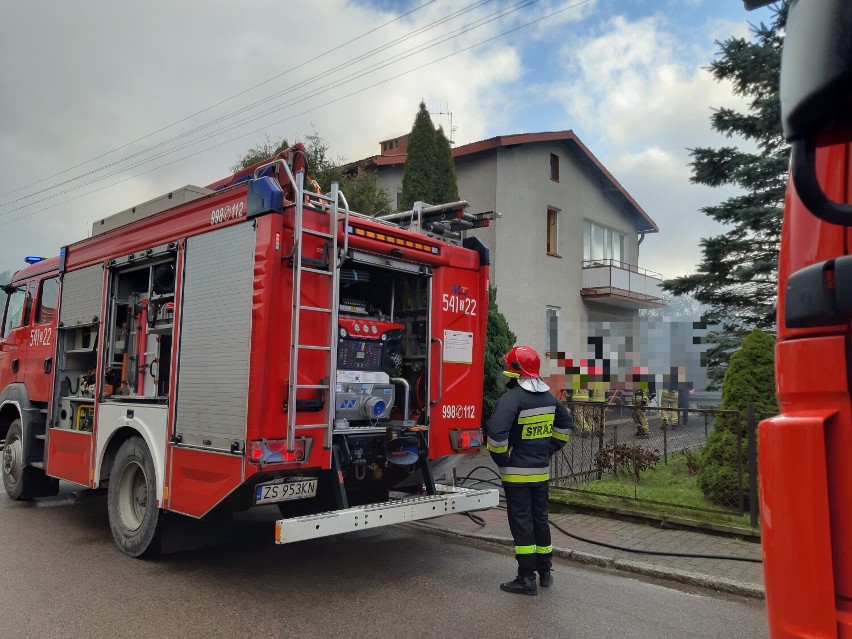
(396, 511)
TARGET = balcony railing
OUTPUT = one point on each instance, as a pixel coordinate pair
(621, 284)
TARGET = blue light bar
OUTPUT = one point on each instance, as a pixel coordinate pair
(33, 259)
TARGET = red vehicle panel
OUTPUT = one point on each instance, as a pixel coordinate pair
(69, 455)
(41, 341)
(803, 452)
(16, 335)
(459, 314)
(199, 480)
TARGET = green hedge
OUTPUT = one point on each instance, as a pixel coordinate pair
(750, 378)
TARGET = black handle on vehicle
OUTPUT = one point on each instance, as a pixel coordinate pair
(808, 188)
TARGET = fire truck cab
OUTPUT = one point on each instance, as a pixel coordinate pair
(805, 474)
(246, 344)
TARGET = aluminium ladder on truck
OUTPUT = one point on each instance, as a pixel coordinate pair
(329, 204)
(448, 499)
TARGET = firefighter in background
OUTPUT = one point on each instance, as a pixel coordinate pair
(580, 412)
(668, 402)
(641, 397)
(595, 412)
(528, 426)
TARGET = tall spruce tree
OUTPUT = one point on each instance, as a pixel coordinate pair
(737, 277)
(418, 177)
(445, 187)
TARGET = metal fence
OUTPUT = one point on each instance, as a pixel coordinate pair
(609, 456)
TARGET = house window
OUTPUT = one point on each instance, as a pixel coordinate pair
(551, 332)
(554, 167)
(552, 231)
(601, 244)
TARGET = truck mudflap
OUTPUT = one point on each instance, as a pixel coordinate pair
(396, 511)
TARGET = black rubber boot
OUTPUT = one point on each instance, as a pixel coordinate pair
(521, 586)
(545, 579)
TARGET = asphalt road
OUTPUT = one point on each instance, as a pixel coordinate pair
(61, 576)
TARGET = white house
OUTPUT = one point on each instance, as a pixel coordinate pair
(565, 251)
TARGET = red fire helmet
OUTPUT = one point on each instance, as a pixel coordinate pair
(522, 361)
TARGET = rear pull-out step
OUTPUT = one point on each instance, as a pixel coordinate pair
(448, 500)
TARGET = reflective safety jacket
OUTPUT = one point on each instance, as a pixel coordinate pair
(597, 395)
(670, 395)
(524, 432)
(580, 395)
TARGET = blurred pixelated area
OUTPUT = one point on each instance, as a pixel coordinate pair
(648, 353)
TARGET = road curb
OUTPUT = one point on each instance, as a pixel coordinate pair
(719, 584)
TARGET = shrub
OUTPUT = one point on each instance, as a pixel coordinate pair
(750, 378)
(692, 464)
(624, 460)
(498, 341)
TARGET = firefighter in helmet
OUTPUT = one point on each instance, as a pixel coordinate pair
(641, 397)
(595, 411)
(669, 401)
(580, 411)
(528, 426)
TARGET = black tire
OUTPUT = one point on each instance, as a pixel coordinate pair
(134, 516)
(18, 480)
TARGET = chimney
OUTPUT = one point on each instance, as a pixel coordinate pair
(394, 146)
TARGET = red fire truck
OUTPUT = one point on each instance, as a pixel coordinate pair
(250, 343)
(804, 453)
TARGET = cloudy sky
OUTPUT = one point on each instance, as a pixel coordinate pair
(105, 104)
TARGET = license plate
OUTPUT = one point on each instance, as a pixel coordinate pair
(275, 491)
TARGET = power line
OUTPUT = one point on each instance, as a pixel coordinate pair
(243, 109)
(221, 102)
(338, 99)
(299, 99)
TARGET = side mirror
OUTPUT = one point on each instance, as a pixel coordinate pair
(816, 94)
(816, 70)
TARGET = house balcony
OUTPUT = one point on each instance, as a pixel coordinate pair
(619, 284)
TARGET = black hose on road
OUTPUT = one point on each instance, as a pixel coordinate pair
(639, 551)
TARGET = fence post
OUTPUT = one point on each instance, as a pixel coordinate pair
(602, 423)
(740, 463)
(665, 443)
(752, 465)
(615, 436)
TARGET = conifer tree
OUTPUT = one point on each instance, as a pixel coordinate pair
(737, 278)
(418, 176)
(499, 340)
(750, 378)
(445, 187)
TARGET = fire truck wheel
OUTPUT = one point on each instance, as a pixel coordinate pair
(132, 499)
(17, 478)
